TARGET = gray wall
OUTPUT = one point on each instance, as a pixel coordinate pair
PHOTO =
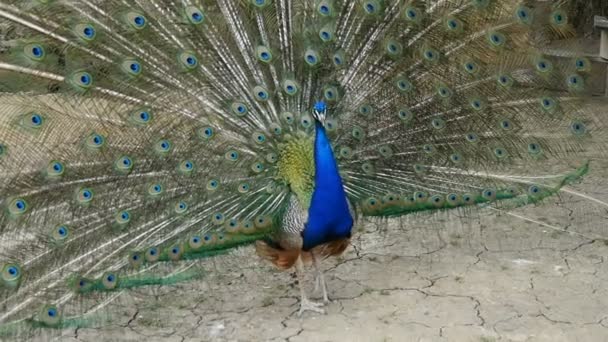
(583, 12)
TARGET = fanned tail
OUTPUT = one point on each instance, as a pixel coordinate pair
(458, 100)
(131, 136)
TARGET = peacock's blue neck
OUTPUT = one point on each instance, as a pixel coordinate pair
(329, 217)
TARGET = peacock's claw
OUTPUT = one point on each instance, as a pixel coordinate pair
(307, 305)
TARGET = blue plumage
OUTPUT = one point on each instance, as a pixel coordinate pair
(329, 217)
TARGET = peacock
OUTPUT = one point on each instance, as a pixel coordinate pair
(140, 139)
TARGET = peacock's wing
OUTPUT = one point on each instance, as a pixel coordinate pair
(446, 104)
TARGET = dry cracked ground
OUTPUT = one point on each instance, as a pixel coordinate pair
(537, 273)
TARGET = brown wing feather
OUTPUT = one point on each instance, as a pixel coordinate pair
(282, 258)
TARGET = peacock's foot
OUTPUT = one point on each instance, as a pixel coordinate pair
(307, 305)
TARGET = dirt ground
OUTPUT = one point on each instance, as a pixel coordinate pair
(538, 273)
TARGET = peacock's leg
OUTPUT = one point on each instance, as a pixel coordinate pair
(319, 278)
(317, 284)
(305, 303)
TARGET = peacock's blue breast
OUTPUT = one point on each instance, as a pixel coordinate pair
(329, 217)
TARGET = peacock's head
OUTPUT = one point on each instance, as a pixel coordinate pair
(319, 112)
